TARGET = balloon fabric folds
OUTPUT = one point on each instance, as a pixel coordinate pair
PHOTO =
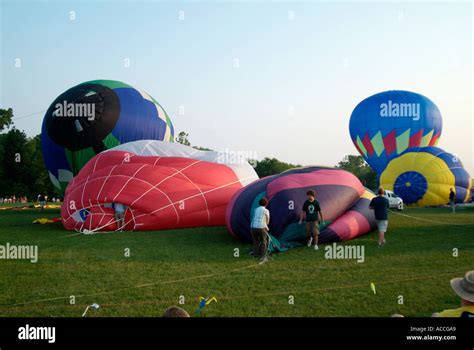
(92, 117)
(423, 176)
(178, 189)
(344, 202)
(386, 124)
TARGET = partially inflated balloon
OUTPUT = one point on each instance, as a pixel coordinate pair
(163, 186)
(344, 203)
(423, 176)
(386, 124)
(95, 116)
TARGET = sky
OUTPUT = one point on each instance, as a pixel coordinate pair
(272, 79)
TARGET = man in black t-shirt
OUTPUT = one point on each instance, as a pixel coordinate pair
(380, 205)
(312, 215)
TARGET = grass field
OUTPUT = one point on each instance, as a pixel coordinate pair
(417, 263)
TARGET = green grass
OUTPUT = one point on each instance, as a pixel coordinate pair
(417, 263)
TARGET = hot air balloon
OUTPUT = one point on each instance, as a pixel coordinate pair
(162, 185)
(344, 202)
(386, 124)
(92, 117)
(423, 176)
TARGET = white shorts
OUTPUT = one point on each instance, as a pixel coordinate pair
(382, 225)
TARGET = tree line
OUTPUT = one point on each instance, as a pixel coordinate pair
(354, 164)
(22, 170)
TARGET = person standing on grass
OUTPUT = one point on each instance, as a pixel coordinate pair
(41, 201)
(452, 200)
(313, 215)
(119, 215)
(259, 230)
(380, 206)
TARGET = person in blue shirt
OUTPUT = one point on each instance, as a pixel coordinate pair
(380, 205)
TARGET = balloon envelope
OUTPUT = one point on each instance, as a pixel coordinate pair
(160, 191)
(423, 176)
(95, 116)
(386, 124)
(344, 203)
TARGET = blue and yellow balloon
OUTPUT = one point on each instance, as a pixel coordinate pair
(385, 125)
(423, 176)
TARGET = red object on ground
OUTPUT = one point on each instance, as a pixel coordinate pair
(158, 192)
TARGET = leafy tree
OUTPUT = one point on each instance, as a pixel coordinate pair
(22, 170)
(16, 173)
(183, 138)
(6, 116)
(271, 166)
(41, 182)
(202, 148)
(357, 166)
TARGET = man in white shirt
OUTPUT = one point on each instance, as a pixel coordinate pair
(259, 230)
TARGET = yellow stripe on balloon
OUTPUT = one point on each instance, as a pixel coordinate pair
(425, 140)
(367, 195)
(403, 141)
(377, 143)
(361, 146)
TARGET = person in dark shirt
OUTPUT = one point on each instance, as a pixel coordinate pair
(380, 206)
(312, 215)
(41, 201)
(452, 200)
